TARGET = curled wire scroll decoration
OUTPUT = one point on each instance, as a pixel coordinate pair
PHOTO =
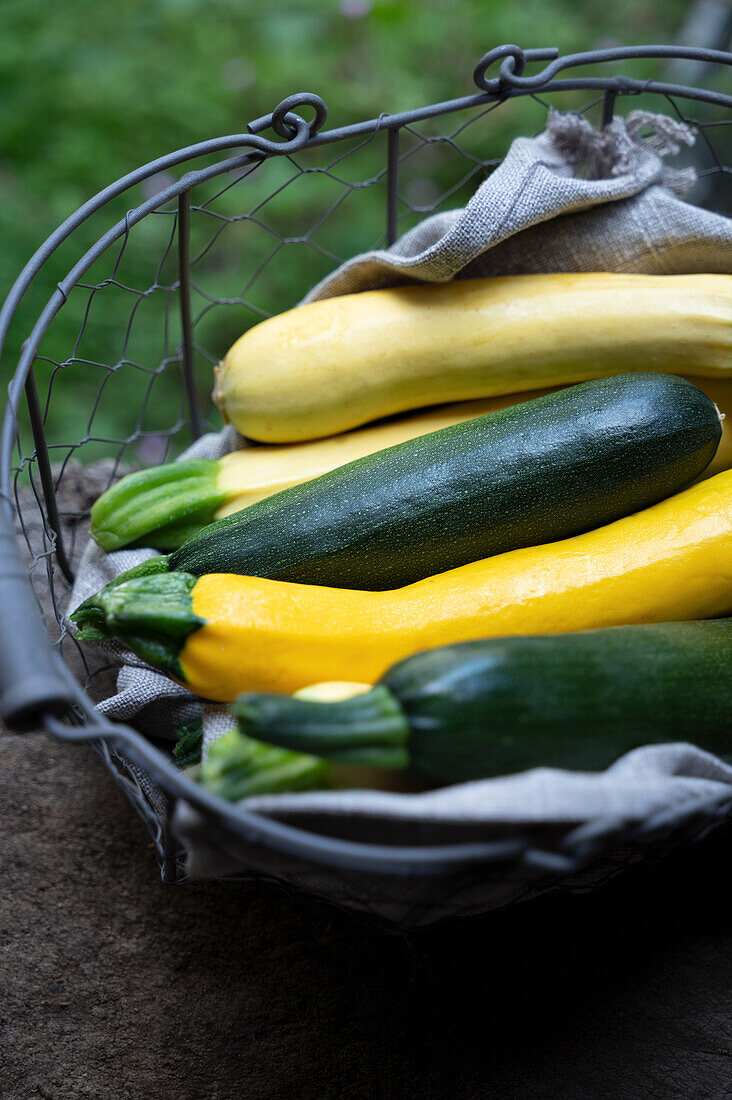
(513, 60)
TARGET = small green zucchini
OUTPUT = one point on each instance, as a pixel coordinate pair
(536, 472)
(502, 705)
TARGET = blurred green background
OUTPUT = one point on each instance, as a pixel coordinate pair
(90, 91)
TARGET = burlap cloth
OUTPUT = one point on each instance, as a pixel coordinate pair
(572, 199)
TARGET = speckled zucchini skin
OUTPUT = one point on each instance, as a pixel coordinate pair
(533, 473)
(575, 700)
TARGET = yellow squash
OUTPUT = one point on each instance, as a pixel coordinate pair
(669, 562)
(332, 365)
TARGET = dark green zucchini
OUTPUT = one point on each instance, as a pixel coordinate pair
(529, 474)
(503, 705)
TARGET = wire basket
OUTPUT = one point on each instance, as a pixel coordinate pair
(118, 366)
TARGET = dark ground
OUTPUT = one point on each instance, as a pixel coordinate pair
(114, 985)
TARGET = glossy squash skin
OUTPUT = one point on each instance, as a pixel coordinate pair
(259, 471)
(329, 366)
(222, 634)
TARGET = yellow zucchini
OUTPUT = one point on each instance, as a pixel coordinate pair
(222, 634)
(332, 365)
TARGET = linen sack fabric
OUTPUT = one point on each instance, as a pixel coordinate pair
(571, 199)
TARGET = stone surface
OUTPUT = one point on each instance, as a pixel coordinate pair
(113, 985)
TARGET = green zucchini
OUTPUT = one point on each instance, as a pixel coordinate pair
(533, 473)
(503, 705)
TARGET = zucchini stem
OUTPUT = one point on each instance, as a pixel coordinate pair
(152, 614)
(159, 507)
(369, 729)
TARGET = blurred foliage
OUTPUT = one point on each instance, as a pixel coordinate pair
(90, 91)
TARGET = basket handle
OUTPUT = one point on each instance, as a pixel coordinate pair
(32, 679)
